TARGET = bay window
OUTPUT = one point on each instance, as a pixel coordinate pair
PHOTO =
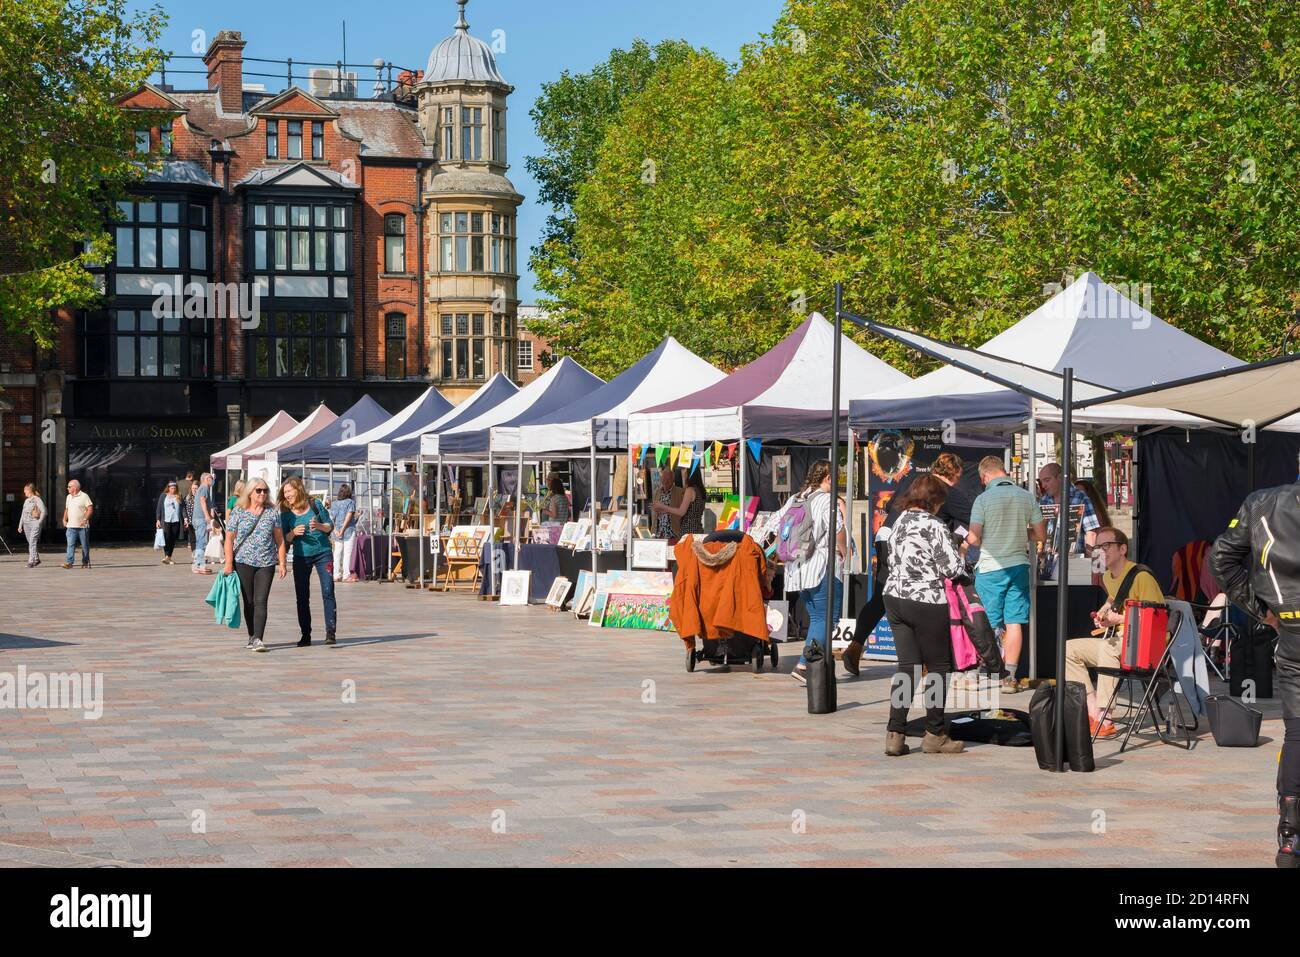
(475, 242)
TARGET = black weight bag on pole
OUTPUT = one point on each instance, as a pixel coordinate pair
(1078, 737)
(820, 676)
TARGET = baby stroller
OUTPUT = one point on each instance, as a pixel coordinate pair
(736, 650)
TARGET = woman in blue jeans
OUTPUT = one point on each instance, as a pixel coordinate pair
(808, 577)
(307, 526)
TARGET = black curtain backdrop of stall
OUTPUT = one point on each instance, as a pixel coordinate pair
(1190, 485)
(580, 481)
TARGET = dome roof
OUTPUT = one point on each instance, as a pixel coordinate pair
(462, 57)
(455, 180)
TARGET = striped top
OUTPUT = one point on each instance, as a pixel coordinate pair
(1005, 510)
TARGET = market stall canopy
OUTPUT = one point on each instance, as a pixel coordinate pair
(783, 394)
(320, 417)
(1261, 394)
(365, 414)
(277, 425)
(424, 411)
(668, 372)
(1108, 340)
(489, 395)
(1268, 390)
(563, 383)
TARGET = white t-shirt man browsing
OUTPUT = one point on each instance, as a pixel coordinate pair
(77, 512)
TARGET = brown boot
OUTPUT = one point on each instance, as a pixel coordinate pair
(940, 744)
(852, 655)
(896, 744)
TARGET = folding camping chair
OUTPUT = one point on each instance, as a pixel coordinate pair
(1155, 684)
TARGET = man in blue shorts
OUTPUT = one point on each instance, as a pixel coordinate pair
(1003, 521)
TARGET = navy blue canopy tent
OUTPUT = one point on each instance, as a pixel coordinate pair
(491, 394)
(564, 383)
(431, 406)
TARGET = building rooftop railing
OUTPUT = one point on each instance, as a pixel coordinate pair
(338, 84)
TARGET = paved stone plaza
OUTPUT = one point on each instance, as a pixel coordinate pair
(482, 735)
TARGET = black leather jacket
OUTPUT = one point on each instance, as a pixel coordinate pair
(1257, 560)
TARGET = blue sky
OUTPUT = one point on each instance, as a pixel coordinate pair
(543, 38)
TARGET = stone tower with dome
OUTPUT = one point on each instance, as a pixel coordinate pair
(470, 215)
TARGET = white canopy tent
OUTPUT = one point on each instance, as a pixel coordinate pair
(598, 421)
(1107, 339)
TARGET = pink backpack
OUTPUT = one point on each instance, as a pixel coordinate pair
(959, 612)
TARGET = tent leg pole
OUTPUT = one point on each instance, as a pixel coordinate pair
(631, 488)
(492, 524)
(1135, 551)
(1063, 557)
(519, 504)
(1032, 636)
(744, 465)
(868, 537)
(419, 486)
(848, 521)
(591, 497)
(437, 516)
(370, 512)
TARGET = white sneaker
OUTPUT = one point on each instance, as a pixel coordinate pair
(257, 645)
(250, 646)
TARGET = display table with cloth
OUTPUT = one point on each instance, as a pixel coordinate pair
(410, 546)
(361, 558)
(544, 563)
(504, 553)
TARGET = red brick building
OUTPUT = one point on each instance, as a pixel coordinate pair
(324, 247)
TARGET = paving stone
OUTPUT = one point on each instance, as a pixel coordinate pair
(468, 715)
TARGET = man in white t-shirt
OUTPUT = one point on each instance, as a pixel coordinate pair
(77, 510)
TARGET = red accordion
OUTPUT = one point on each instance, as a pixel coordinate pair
(1146, 631)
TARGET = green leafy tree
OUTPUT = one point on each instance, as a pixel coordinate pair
(950, 162)
(571, 118)
(66, 147)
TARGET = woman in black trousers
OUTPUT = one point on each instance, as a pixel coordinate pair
(170, 514)
(921, 557)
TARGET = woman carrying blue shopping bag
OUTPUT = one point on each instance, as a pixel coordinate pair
(254, 548)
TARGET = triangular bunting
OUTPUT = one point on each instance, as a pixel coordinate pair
(661, 455)
(672, 456)
(717, 451)
(755, 448)
(731, 449)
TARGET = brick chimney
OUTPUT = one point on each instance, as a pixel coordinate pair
(225, 63)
